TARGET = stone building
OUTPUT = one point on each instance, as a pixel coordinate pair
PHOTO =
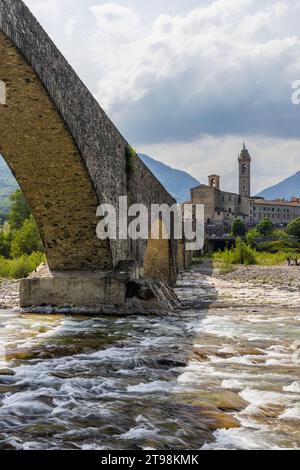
(244, 160)
(281, 212)
(221, 208)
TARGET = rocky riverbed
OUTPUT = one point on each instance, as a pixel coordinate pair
(221, 372)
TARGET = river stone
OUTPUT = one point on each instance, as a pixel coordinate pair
(222, 420)
(225, 400)
(7, 371)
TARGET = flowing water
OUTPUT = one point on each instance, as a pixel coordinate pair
(223, 373)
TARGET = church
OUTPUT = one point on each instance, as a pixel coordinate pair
(221, 208)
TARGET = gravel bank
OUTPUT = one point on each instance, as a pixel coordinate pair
(9, 294)
(284, 276)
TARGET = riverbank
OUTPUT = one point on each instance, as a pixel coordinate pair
(286, 277)
(282, 276)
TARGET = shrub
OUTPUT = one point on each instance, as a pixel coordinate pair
(277, 246)
(240, 254)
(21, 267)
(293, 228)
(130, 160)
(238, 228)
(19, 210)
(265, 227)
(5, 242)
(250, 237)
(243, 253)
(26, 240)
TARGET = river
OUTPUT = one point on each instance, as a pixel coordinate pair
(222, 373)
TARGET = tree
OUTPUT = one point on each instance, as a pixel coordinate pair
(238, 228)
(26, 240)
(293, 228)
(265, 227)
(5, 241)
(19, 210)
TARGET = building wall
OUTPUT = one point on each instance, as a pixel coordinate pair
(279, 213)
(207, 196)
(222, 207)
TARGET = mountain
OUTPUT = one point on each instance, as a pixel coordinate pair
(283, 190)
(8, 185)
(177, 182)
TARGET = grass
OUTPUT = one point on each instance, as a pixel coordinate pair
(21, 267)
(243, 254)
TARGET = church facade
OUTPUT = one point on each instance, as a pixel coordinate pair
(221, 208)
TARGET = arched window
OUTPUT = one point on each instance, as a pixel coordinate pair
(244, 169)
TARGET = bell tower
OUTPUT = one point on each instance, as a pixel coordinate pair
(244, 173)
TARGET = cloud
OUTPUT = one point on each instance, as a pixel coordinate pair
(221, 67)
(217, 69)
(116, 20)
(188, 81)
(273, 159)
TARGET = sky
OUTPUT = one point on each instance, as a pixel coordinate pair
(188, 81)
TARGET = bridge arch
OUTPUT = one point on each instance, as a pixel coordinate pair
(64, 151)
(47, 164)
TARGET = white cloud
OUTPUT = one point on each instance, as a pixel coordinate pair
(214, 44)
(48, 9)
(272, 159)
(188, 82)
(116, 20)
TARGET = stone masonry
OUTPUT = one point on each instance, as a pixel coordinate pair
(64, 151)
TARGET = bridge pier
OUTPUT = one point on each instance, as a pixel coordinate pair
(83, 290)
(119, 291)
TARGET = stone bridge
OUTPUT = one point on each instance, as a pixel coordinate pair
(68, 157)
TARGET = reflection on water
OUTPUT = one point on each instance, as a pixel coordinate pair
(211, 375)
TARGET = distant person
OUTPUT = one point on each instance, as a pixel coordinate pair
(296, 262)
(288, 261)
